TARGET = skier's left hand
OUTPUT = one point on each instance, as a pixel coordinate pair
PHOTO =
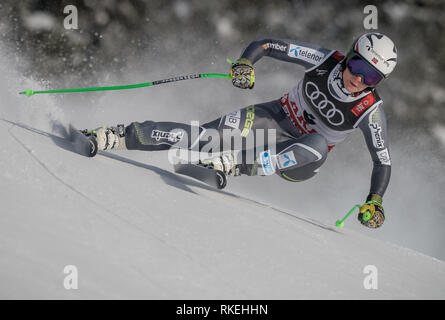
(371, 214)
(242, 74)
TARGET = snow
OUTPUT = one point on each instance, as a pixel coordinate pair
(224, 27)
(439, 132)
(135, 230)
(40, 21)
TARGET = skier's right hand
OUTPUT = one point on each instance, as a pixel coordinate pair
(242, 74)
(371, 214)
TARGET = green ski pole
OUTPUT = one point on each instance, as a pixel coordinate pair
(341, 223)
(29, 92)
(366, 216)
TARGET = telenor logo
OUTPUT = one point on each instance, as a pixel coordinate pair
(294, 51)
(286, 160)
(307, 54)
(266, 162)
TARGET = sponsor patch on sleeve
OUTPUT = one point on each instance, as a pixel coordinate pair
(376, 129)
(307, 54)
(376, 133)
(275, 46)
(384, 157)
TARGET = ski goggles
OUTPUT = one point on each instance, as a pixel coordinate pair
(359, 67)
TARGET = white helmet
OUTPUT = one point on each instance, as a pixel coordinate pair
(378, 50)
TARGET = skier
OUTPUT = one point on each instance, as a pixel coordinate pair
(336, 96)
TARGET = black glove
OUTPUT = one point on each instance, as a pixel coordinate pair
(242, 74)
(371, 214)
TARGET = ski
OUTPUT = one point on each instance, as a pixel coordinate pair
(84, 143)
(214, 178)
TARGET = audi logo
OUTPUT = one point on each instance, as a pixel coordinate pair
(326, 108)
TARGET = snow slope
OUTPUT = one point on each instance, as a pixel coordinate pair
(135, 230)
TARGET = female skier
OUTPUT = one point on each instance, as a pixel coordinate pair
(336, 96)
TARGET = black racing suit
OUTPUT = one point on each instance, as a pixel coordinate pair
(308, 121)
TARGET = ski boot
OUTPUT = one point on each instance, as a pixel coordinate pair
(225, 163)
(106, 138)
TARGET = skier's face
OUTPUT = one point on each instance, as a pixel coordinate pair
(353, 83)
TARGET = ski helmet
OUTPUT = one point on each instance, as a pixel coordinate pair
(376, 49)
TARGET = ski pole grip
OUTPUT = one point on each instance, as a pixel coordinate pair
(366, 216)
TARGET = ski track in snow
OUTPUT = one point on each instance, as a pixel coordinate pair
(70, 187)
